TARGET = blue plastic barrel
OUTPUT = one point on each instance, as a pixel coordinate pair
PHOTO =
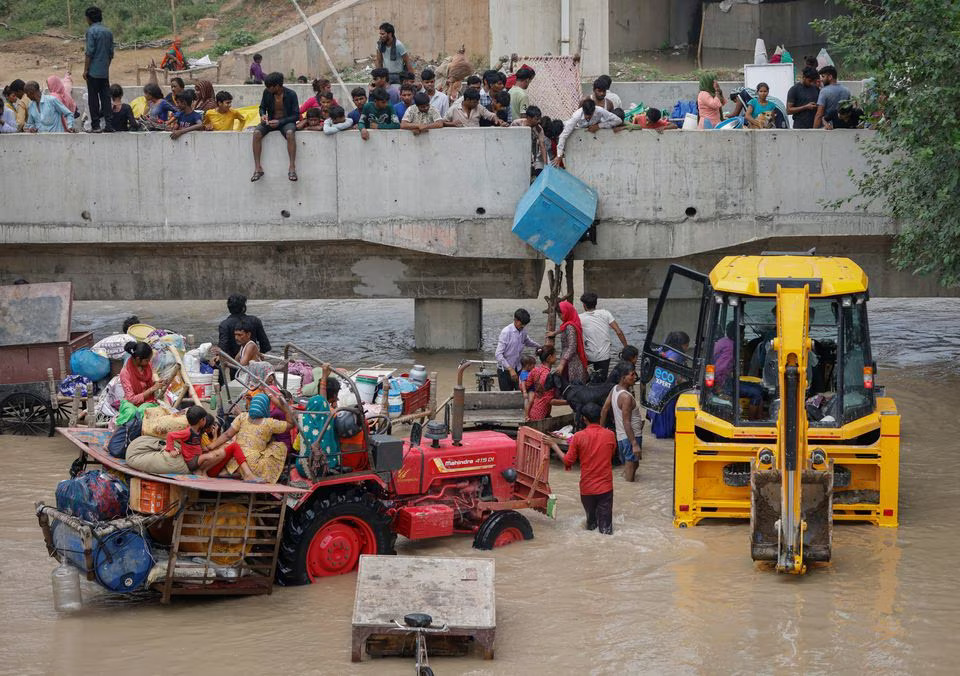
(121, 561)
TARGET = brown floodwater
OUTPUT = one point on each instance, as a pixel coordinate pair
(650, 598)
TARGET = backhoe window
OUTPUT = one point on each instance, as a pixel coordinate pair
(676, 331)
(741, 353)
(858, 400)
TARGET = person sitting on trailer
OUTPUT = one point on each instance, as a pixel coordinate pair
(137, 375)
(254, 431)
(187, 443)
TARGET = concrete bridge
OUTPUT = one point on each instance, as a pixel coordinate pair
(428, 217)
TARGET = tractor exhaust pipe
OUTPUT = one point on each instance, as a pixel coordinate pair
(459, 401)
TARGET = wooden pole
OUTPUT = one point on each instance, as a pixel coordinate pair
(173, 13)
(69, 17)
(323, 50)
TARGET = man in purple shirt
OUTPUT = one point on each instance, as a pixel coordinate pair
(513, 338)
(256, 69)
(723, 356)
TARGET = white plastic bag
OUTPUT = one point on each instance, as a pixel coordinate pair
(760, 53)
(823, 58)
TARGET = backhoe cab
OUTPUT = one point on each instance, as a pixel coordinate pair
(767, 365)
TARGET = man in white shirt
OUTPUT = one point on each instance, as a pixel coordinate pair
(596, 334)
(438, 100)
(588, 117)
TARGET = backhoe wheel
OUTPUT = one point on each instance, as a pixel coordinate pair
(328, 534)
(501, 529)
(26, 414)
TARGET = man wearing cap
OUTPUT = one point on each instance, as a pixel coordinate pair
(847, 116)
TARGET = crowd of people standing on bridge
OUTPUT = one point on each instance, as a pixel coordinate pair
(398, 98)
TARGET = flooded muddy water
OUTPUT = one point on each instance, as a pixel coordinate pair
(649, 599)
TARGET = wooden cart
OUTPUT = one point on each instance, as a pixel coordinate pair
(217, 537)
(35, 337)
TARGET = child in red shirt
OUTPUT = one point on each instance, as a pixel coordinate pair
(595, 446)
(188, 443)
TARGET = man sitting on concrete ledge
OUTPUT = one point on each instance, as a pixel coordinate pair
(279, 111)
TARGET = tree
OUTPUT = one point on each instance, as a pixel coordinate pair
(910, 49)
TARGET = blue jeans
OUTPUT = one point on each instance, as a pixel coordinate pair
(625, 449)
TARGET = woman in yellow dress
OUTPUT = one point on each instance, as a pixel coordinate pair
(254, 432)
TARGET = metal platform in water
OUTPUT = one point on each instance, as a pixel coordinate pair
(457, 592)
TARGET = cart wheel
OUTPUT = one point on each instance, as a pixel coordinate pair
(26, 414)
(62, 412)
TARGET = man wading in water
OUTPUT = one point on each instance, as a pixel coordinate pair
(594, 446)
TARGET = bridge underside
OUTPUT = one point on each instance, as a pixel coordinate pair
(643, 278)
(268, 270)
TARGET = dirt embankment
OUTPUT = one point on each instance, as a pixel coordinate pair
(36, 58)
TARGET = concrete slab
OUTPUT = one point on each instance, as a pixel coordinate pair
(457, 592)
(35, 313)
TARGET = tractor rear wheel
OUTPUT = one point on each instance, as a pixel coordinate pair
(501, 529)
(328, 534)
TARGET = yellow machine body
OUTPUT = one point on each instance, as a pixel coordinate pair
(732, 435)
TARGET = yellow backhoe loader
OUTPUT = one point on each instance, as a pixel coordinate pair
(766, 368)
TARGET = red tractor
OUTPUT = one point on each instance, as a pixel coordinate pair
(438, 482)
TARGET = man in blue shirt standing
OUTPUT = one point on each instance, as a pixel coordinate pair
(96, 69)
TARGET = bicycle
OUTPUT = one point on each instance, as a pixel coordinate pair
(420, 624)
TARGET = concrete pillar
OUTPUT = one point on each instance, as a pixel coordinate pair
(447, 323)
(596, 41)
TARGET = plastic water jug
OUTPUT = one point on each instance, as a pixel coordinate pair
(418, 374)
(66, 588)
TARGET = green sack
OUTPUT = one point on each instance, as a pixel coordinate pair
(128, 410)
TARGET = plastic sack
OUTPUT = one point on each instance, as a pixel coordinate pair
(760, 53)
(111, 347)
(633, 112)
(86, 362)
(123, 435)
(76, 385)
(786, 57)
(823, 58)
(108, 403)
(164, 363)
(93, 496)
(162, 337)
(193, 358)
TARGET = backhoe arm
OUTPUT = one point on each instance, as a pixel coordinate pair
(793, 345)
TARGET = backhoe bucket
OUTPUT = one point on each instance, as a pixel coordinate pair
(816, 507)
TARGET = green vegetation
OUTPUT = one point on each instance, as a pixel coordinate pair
(130, 20)
(914, 160)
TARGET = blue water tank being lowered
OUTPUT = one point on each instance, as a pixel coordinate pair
(554, 213)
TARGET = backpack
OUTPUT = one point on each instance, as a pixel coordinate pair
(123, 435)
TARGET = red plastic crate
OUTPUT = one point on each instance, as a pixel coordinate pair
(424, 521)
(416, 400)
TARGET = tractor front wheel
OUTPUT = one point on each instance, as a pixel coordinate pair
(501, 529)
(327, 536)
